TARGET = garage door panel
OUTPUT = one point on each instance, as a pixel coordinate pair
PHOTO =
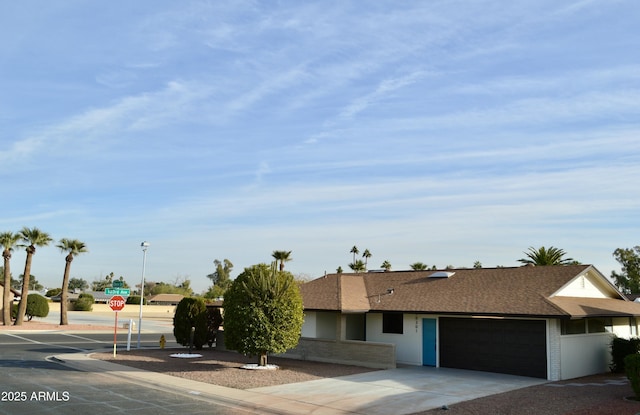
(515, 347)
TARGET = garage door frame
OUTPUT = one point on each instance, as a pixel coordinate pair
(510, 346)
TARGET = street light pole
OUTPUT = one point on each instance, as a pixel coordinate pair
(144, 246)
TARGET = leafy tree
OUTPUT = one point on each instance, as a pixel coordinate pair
(358, 266)
(184, 288)
(629, 280)
(73, 248)
(355, 252)
(386, 265)
(221, 278)
(419, 266)
(37, 306)
(31, 238)
(107, 282)
(262, 312)
(339, 270)
(16, 284)
(191, 312)
(78, 284)
(34, 284)
(9, 241)
(544, 256)
(366, 255)
(282, 256)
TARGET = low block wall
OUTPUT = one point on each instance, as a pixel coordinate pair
(133, 310)
(348, 352)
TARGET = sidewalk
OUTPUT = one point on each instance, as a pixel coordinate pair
(404, 390)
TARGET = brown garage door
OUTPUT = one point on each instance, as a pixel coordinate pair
(516, 347)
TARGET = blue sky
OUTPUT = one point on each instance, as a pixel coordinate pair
(445, 132)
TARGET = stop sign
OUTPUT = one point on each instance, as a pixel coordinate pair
(117, 303)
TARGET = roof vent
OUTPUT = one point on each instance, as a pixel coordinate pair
(441, 274)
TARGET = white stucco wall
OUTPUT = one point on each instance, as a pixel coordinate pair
(326, 325)
(623, 329)
(583, 286)
(408, 344)
(584, 354)
(309, 325)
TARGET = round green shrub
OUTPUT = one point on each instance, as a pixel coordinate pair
(632, 370)
(53, 292)
(84, 302)
(191, 312)
(262, 312)
(621, 348)
(37, 306)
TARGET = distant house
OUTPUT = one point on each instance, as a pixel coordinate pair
(98, 296)
(166, 299)
(551, 322)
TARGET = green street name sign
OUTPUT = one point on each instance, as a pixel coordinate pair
(117, 284)
(117, 291)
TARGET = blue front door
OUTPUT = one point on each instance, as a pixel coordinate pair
(428, 341)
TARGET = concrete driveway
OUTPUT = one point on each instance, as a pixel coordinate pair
(403, 390)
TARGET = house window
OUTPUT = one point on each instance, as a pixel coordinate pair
(587, 325)
(392, 323)
(600, 325)
(573, 326)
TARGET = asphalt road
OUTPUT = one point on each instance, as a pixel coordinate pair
(33, 383)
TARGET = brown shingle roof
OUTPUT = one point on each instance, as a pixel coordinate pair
(596, 307)
(166, 298)
(344, 292)
(520, 291)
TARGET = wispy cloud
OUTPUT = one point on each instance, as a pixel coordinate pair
(441, 131)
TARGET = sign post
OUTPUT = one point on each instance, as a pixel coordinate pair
(117, 304)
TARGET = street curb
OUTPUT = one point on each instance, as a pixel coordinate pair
(230, 397)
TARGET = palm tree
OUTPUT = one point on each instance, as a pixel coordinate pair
(73, 248)
(282, 256)
(419, 266)
(358, 266)
(355, 252)
(366, 255)
(8, 240)
(544, 256)
(386, 265)
(31, 238)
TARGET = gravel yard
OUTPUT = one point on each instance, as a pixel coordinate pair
(224, 368)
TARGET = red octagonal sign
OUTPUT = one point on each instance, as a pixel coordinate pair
(117, 303)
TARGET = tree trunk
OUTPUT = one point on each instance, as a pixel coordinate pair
(6, 297)
(64, 295)
(263, 359)
(22, 307)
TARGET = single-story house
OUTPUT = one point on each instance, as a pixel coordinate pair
(551, 322)
(99, 297)
(166, 299)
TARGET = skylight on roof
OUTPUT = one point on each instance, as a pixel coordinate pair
(441, 274)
